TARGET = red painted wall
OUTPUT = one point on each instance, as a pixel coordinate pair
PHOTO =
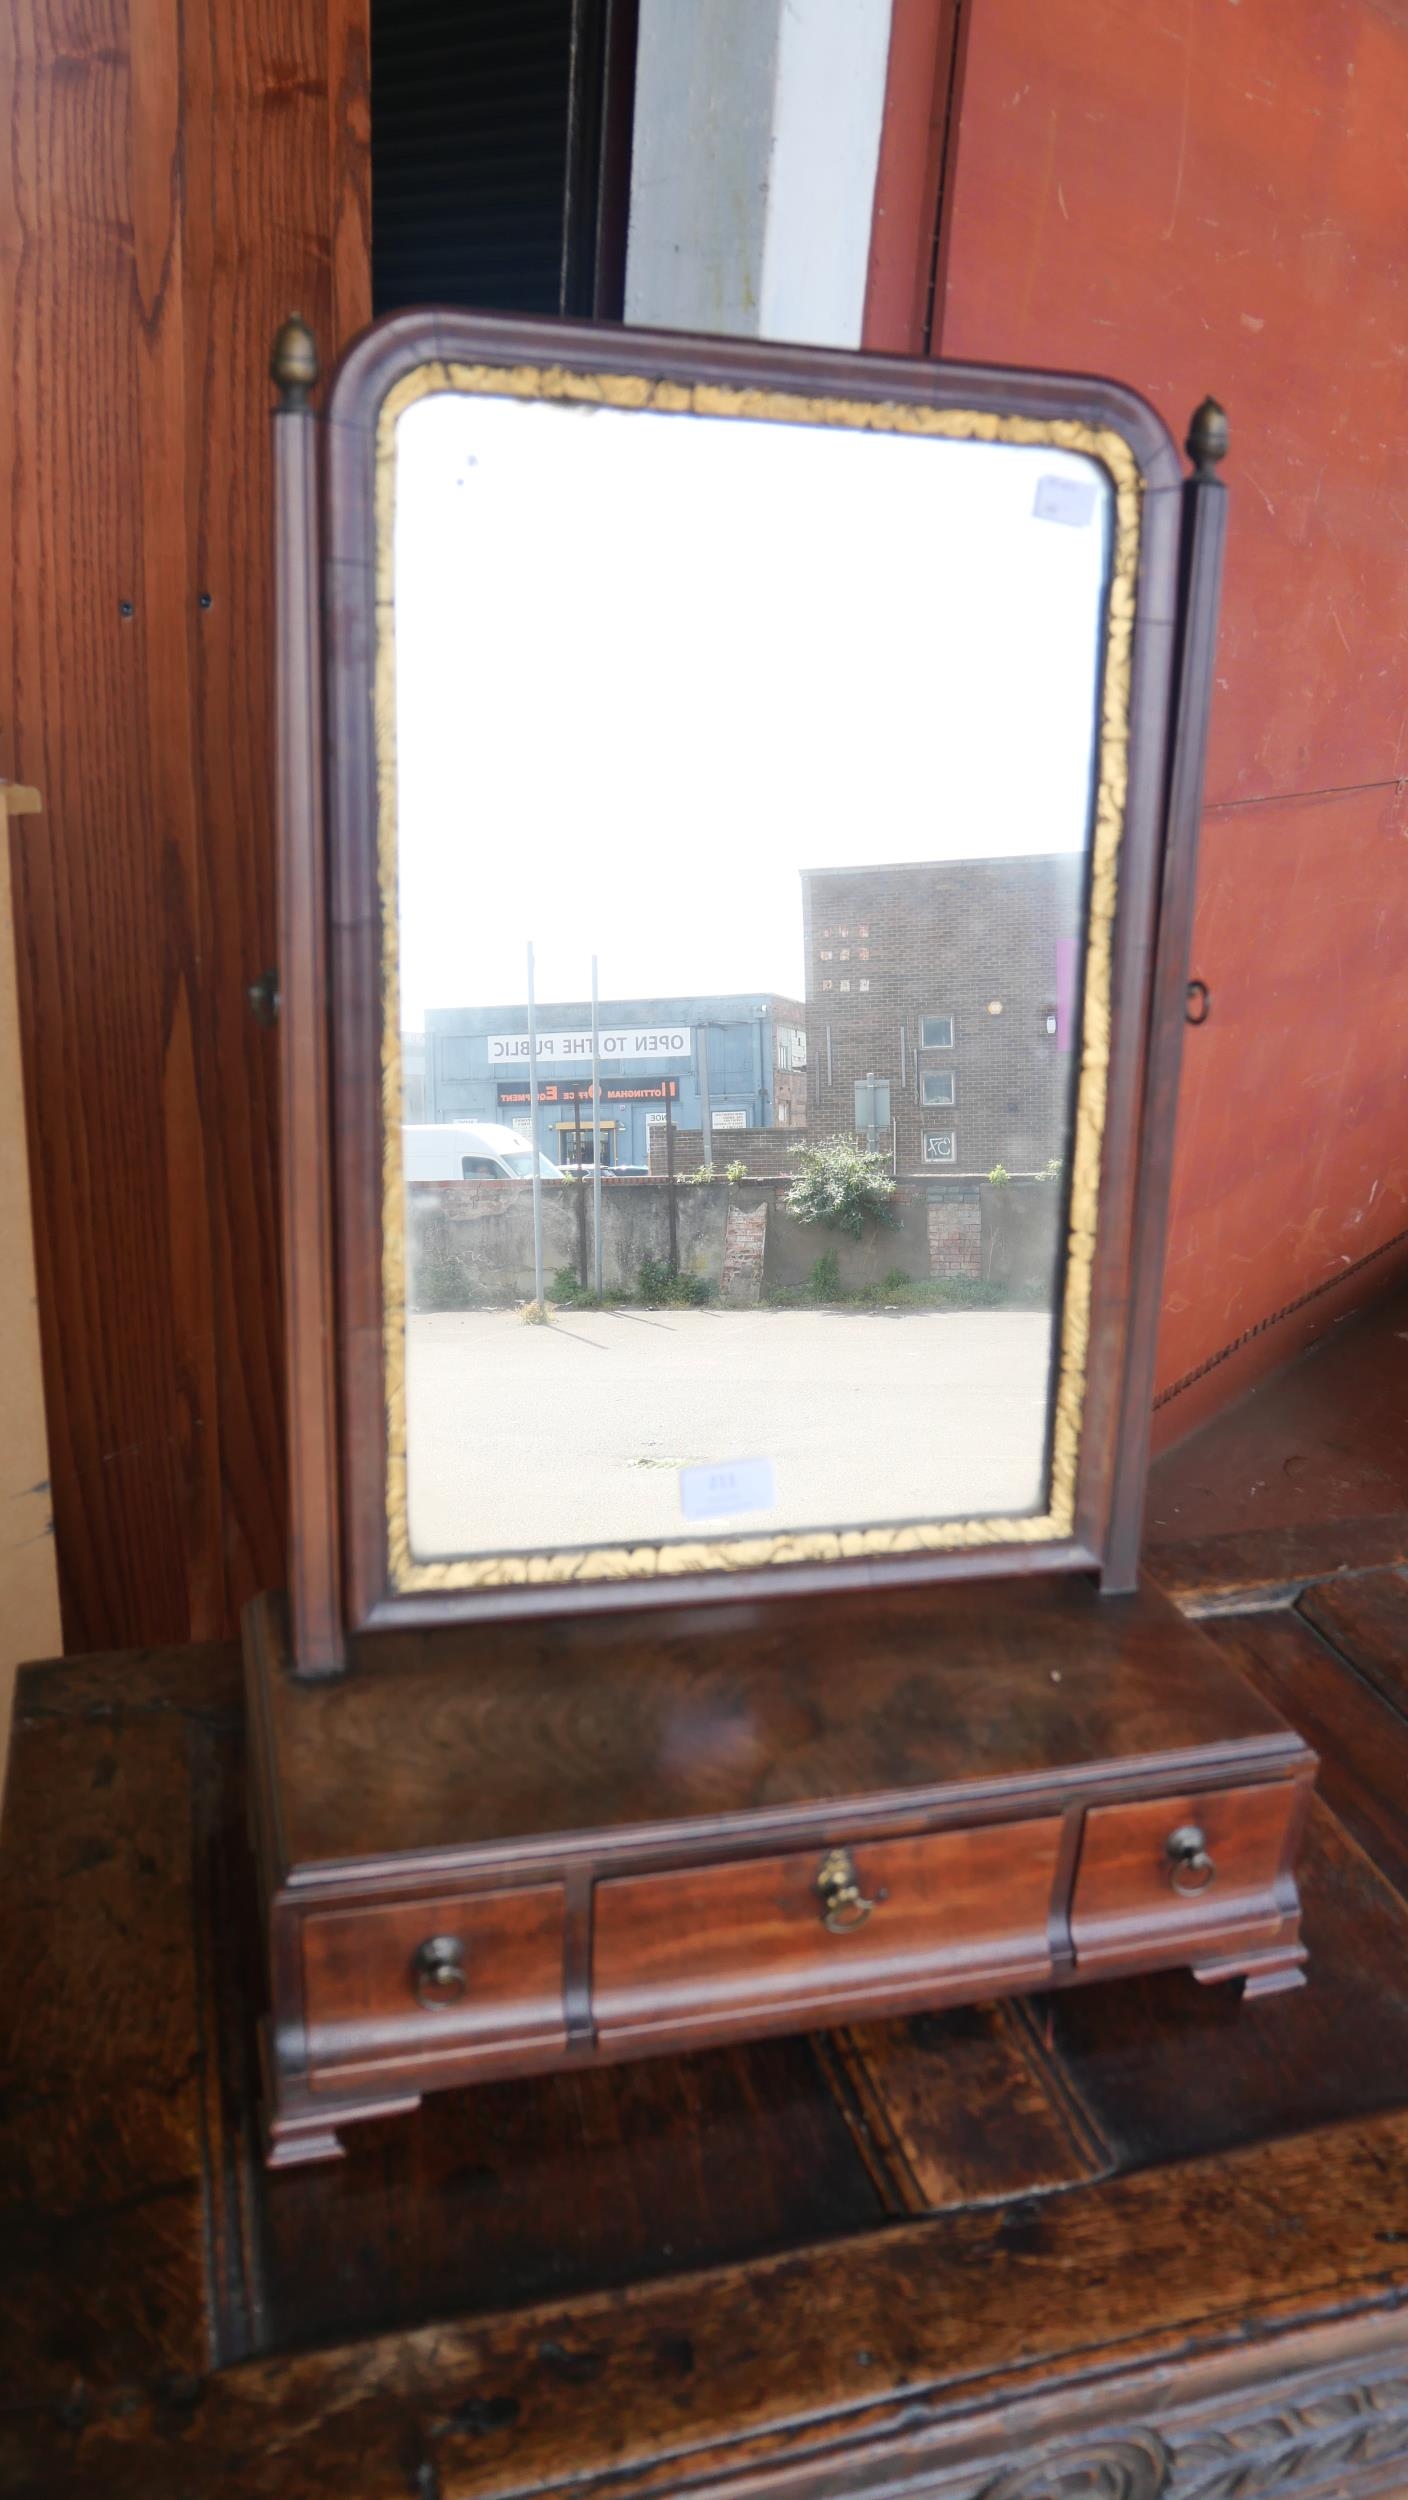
(1212, 195)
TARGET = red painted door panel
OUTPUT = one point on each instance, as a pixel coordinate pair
(1203, 195)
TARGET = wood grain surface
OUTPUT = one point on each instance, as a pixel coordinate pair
(968, 2106)
(178, 190)
(1366, 1620)
(1363, 1742)
(360, 1969)
(1335, 2049)
(724, 1941)
(536, 1730)
(1124, 1887)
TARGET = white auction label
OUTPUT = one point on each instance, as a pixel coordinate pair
(726, 1491)
(1068, 499)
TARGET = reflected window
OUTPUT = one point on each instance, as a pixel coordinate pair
(936, 1033)
(501, 154)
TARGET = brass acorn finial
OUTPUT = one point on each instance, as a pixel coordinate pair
(1207, 437)
(294, 363)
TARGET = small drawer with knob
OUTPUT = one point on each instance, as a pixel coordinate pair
(1185, 1868)
(451, 1979)
(836, 1930)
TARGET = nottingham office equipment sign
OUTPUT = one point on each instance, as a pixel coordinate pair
(664, 1089)
(557, 1050)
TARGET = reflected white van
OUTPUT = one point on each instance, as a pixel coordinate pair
(469, 1150)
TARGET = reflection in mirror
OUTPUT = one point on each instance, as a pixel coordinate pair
(785, 736)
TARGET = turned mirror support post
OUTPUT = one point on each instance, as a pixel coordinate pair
(314, 1592)
(1204, 529)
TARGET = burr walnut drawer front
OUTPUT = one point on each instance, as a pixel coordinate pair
(448, 1977)
(823, 1930)
(1184, 1866)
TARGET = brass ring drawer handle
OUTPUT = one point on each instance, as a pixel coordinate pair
(843, 1904)
(1190, 1869)
(437, 1973)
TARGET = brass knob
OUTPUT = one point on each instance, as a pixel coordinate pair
(437, 1973)
(843, 1904)
(1190, 1869)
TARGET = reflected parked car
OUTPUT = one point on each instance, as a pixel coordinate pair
(469, 1150)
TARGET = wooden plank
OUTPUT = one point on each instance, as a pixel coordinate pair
(532, 2190)
(1266, 1566)
(230, 1986)
(179, 189)
(1169, 2069)
(1362, 1744)
(116, 1947)
(97, 1946)
(102, 2279)
(101, 2300)
(827, 2369)
(1286, 1457)
(90, 422)
(203, 1681)
(966, 2107)
(1366, 1620)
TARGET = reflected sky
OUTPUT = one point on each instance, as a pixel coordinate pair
(649, 667)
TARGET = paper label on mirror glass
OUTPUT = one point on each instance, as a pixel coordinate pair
(1068, 499)
(727, 1490)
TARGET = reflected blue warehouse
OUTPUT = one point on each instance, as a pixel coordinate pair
(650, 1054)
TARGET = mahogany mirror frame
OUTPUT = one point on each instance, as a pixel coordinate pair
(340, 1580)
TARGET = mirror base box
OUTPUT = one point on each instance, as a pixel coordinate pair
(544, 1843)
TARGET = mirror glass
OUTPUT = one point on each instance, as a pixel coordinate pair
(785, 736)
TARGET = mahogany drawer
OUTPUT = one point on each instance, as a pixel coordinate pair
(376, 1994)
(1128, 1883)
(727, 1944)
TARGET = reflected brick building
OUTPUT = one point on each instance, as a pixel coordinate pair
(954, 983)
